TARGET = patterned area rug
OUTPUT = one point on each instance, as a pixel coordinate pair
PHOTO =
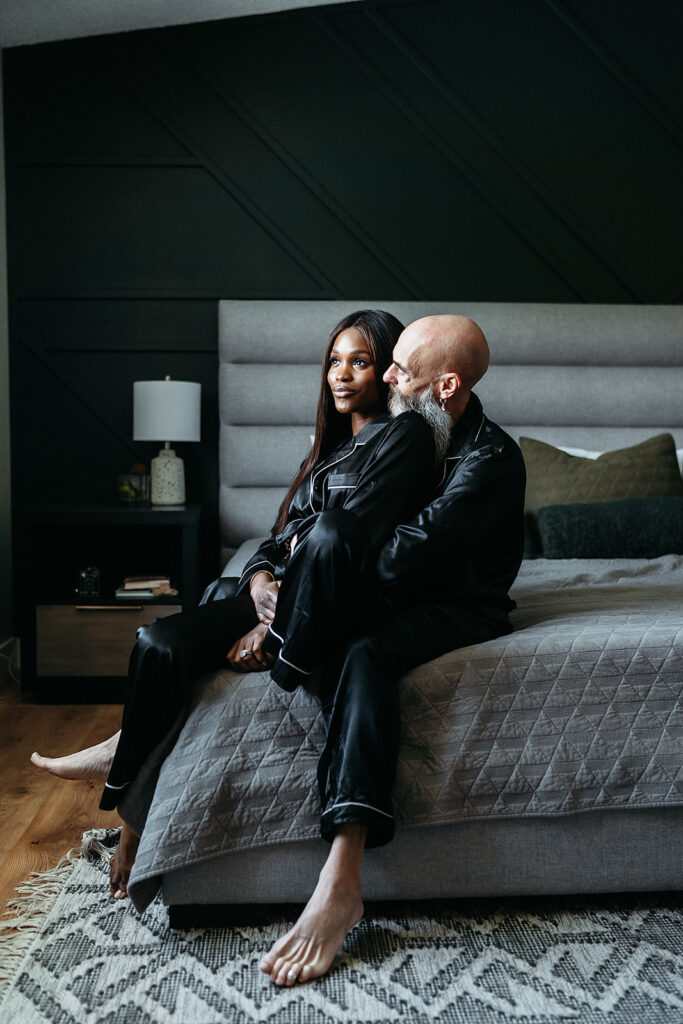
(82, 958)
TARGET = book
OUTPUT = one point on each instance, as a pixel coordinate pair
(134, 594)
(145, 582)
(162, 588)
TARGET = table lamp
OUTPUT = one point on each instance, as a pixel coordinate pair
(166, 410)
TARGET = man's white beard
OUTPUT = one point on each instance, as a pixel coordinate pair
(437, 419)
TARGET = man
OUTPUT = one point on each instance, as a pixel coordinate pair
(445, 577)
(444, 581)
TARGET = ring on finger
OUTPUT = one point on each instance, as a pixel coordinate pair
(245, 653)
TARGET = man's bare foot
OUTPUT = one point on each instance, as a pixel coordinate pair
(309, 948)
(307, 951)
(121, 863)
(91, 763)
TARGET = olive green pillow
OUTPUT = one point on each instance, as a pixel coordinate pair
(649, 469)
(646, 470)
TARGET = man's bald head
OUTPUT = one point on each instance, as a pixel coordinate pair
(437, 362)
(446, 344)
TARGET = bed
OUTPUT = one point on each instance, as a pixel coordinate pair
(547, 761)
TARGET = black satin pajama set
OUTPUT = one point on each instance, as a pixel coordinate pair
(342, 514)
(360, 603)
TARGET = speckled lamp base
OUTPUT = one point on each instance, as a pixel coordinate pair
(168, 479)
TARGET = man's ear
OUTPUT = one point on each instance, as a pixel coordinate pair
(449, 385)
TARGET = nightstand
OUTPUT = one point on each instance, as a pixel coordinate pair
(77, 647)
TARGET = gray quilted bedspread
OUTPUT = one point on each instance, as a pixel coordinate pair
(579, 708)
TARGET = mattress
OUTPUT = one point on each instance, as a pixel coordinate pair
(578, 710)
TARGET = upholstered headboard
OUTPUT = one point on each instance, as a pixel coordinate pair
(596, 377)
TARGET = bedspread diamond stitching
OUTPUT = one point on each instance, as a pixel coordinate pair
(552, 719)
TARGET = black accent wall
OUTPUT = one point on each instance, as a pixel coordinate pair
(483, 149)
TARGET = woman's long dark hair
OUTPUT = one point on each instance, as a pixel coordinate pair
(380, 331)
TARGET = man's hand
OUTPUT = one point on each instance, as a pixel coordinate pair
(255, 659)
(264, 593)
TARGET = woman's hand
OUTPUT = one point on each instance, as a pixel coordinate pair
(264, 591)
(256, 658)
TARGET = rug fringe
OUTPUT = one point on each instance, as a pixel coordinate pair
(33, 900)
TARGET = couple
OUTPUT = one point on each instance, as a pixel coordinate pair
(398, 541)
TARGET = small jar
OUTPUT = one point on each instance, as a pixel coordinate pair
(133, 488)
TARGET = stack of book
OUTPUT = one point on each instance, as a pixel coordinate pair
(137, 588)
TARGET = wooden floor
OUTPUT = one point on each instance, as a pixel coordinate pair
(42, 817)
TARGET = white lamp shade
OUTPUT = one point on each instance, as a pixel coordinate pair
(166, 410)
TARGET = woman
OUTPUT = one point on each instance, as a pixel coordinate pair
(361, 461)
(293, 609)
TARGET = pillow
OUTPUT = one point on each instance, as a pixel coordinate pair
(585, 454)
(648, 469)
(634, 528)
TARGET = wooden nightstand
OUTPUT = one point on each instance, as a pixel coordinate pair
(77, 648)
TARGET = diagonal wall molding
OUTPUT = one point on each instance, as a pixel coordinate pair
(57, 371)
(309, 181)
(515, 162)
(454, 157)
(625, 78)
(141, 90)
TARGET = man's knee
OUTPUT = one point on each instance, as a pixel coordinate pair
(361, 652)
(368, 664)
(335, 529)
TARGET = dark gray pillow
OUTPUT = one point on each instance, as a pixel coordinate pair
(633, 528)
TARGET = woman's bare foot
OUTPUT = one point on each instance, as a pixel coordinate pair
(91, 763)
(308, 950)
(122, 862)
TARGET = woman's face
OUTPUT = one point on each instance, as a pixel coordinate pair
(351, 376)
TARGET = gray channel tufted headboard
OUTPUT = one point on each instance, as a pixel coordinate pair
(589, 376)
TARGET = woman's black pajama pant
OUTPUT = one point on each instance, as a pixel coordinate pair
(333, 633)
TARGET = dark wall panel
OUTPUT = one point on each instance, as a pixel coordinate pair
(412, 191)
(166, 229)
(555, 104)
(73, 107)
(437, 149)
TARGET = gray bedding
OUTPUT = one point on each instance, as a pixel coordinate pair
(578, 710)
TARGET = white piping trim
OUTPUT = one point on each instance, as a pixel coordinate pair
(476, 438)
(295, 667)
(252, 568)
(354, 803)
(280, 638)
(280, 658)
(356, 444)
(314, 475)
(108, 785)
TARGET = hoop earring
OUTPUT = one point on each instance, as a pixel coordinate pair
(442, 403)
